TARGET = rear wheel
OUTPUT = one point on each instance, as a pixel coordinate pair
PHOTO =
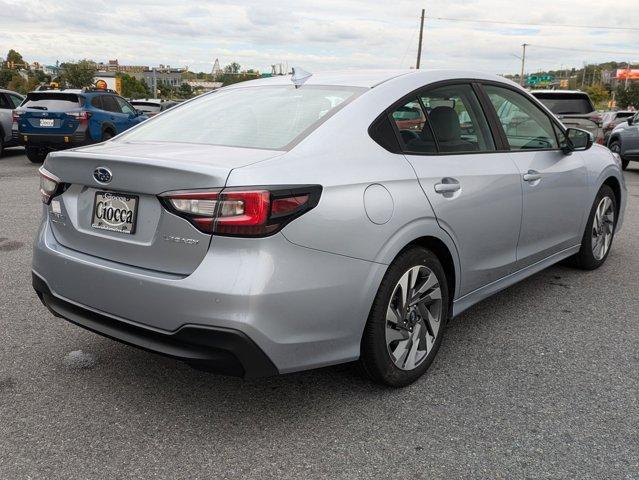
(615, 146)
(406, 323)
(600, 231)
(107, 135)
(1, 143)
(36, 155)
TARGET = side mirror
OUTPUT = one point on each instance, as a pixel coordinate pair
(578, 140)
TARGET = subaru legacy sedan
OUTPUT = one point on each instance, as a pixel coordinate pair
(275, 225)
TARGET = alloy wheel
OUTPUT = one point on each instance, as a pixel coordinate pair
(603, 225)
(413, 317)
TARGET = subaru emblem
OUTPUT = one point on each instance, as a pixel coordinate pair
(102, 175)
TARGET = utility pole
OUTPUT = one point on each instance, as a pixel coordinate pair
(523, 65)
(421, 35)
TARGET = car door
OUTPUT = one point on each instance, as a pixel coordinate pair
(630, 138)
(116, 117)
(473, 188)
(553, 182)
(129, 111)
(6, 107)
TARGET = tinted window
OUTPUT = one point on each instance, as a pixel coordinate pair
(124, 106)
(526, 126)
(16, 100)
(4, 102)
(109, 104)
(257, 117)
(147, 107)
(52, 101)
(566, 103)
(96, 102)
(447, 119)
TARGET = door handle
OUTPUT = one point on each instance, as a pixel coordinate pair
(448, 185)
(532, 176)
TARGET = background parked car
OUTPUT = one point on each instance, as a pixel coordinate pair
(624, 140)
(575, 109)
(58, 119)
(611, 119)
(8, 102)
(151, 107)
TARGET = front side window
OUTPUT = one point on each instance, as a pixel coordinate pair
(268, 117)
(446, 120)
(124, 106)
(526, 126)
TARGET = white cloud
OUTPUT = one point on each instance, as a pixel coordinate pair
(317, 35)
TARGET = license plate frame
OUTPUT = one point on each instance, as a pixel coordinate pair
(47, 122)
(114, 225)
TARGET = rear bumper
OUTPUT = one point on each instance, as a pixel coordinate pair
(52, 141)
(219, 350)
(301, 307)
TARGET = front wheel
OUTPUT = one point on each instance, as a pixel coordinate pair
(36, 155)
(406, 322)
(600, 231)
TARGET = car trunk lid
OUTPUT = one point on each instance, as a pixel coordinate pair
(157, 239)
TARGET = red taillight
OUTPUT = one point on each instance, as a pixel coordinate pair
(49, 185)
(15, 118)
(81, 117)
(243, 212)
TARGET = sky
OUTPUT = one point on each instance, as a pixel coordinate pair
(321, 35)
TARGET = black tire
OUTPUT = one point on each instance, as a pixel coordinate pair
(615, 146)
(106, 135)
(35, 154)
(585, 258)
(1, 143)
(375, 359)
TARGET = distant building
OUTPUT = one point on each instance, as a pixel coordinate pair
(114, 66)
(164, 75)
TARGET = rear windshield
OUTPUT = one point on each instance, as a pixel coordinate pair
(254, 117)
(52, 101)
(566, 103)
(147, 107)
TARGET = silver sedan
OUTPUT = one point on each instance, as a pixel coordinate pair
(289, 223)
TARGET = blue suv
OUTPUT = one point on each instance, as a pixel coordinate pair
(59, 119)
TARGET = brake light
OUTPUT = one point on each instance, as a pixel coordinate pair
(81, 117)
(15, 118)
(49, 185)
(243, 212)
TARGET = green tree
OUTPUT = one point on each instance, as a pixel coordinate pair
(598, 94)
(6, 76)
(15, 58)
(80, 74)
(185, 91)
(628, 97)
(232, 68)
(134, 88)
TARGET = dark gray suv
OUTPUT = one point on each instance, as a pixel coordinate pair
(624, 140)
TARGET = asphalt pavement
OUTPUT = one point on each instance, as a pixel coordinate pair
(540, 381)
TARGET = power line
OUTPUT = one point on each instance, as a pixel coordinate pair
(501, 22)
(582, 50)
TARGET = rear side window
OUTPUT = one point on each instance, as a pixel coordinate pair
(53, 101)
(96, 102)
(446, 120)
(268, 117)
(109, 104)
(526, 126)
(16, 100)
(566, 103)
(4, 102)
(147, 107)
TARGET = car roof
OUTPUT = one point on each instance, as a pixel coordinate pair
(560, 92)
(4, 90)
(368, 78)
